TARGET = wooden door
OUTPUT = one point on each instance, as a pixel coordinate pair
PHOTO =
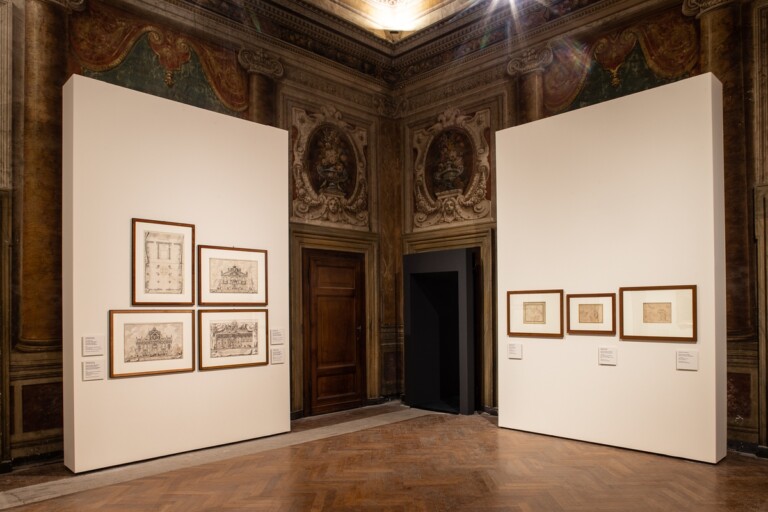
(334, 331)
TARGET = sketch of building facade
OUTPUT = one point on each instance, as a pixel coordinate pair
(233, 276)
(234, 338)
(152, 342)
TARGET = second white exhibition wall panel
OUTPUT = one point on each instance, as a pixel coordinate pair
(626, 193)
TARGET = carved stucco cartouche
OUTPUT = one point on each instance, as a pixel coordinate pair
(321, 194)
(449, 205)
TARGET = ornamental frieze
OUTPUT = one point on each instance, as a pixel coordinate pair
(330, 184)
(102, 37)
(452, 170)
(669, 43)
(452, 89)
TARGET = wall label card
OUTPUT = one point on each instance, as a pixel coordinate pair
(607, 356)
(514, 350)
(688, 360)
(277, 336)
(94, 369)
(277, 355)
(94, 344)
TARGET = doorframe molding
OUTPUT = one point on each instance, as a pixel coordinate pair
(481, 236)
(760, 150)
(313, 237)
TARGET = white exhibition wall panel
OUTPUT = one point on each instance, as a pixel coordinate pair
(625, 193)
(131, 155)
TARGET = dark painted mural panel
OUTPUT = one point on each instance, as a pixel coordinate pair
(141, 70)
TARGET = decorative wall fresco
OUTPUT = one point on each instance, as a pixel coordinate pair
(119, 48)
(329, 169)
(660, 50)
(452, 170)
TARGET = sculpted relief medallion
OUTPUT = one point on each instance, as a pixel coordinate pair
(329, 170)
(452, 169)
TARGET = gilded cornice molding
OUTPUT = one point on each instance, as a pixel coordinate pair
(261, 62)
(317, 34)
(699, 7)
(531, 60)
(6, 100)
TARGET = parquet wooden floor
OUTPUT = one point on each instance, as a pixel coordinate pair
(439, 463)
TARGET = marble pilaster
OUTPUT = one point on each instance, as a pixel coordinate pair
(262, 70)
(528, 67)
(40, 279)
(721, 55)
(6, 99)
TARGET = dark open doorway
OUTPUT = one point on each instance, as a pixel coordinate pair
(440, 330)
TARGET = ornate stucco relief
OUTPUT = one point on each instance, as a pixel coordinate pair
(329, 169)
(452, 169)
(6, 101)
(260, 61)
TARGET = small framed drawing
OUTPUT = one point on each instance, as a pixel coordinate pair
(658, 313)
(232, 338)
(535, 313)
(591, 313)
(151, 342)
(163, 263)
(230, 276)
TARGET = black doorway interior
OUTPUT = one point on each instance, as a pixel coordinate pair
(439, 330)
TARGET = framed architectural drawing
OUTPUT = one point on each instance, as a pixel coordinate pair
(232, 338)
(535, 313)
(591, 313)
(231, 276)
(658, 313)
(150, 342)
(163, 263)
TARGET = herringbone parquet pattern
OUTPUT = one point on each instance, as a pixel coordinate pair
(438, 463)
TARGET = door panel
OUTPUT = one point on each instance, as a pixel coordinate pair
(334, 309)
